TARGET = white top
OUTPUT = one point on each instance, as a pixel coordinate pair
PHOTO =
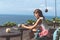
(42, 24)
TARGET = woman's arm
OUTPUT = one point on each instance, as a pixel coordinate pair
(31, 27)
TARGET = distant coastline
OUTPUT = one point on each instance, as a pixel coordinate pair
(18, 18)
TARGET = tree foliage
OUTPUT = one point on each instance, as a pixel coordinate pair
(30, 21)
(10, 24)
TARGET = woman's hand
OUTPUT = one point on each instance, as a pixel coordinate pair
(34, 30)
(22, 25)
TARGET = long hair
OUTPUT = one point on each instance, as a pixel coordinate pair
(39, 12)
(41, 15)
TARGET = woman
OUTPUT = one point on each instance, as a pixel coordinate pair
(38, 26)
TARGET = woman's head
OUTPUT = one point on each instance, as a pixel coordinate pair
(38, 13)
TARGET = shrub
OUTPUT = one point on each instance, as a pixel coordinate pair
(10, 24)
(30, 22)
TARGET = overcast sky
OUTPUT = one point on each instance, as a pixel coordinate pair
(26, 7)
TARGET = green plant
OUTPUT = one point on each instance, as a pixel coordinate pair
(49, 22)
(56, 19)
(30, 21)
(10, 24)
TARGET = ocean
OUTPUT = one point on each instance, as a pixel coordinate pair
(18, 19)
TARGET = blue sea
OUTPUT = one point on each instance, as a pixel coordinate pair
(18, 19)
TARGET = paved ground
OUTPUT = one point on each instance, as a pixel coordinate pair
(25, 35)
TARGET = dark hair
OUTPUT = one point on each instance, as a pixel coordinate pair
(39, 12)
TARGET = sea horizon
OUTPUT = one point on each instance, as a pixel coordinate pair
(19, 19)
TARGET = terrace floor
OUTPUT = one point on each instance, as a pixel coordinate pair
(25, 35)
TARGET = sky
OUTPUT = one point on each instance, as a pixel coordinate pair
(26, 7)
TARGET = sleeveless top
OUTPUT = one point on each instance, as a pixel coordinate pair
(40, 24)
(42, 28)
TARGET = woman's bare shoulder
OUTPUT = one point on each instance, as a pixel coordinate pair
(40, 17)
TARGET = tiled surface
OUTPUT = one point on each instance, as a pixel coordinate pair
(25, 36)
